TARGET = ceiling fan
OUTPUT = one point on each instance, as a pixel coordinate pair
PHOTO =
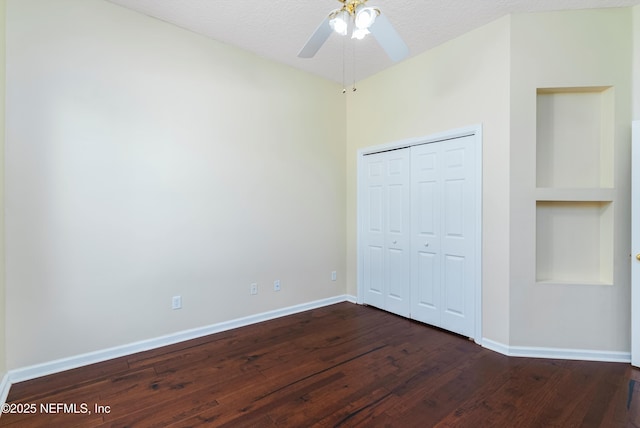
(357, 18)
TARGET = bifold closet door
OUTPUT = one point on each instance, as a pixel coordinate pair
(386, 235)
(443, 220)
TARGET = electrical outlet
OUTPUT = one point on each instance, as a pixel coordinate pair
(276, 285)
(334, 275)
(254, 288)
(176, 302)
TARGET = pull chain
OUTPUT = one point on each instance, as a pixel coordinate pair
(354, 66)
(344, 53)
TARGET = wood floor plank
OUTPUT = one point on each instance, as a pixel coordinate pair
(163, 413)
(526, 388)
(437, 392)
(339, 366)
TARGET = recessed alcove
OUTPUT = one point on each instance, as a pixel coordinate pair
(574, 242)
(575, 185)
(574, 140)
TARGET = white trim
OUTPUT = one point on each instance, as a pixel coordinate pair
(351, 299)
(557, 353)
(51, 367)
(359, 234)
(479, 234)
(433, 138)
(476, 131)
(5, 386)
(635, 244)
(494, 346)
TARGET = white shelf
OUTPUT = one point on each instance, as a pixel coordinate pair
(575, 194)
(577, 284)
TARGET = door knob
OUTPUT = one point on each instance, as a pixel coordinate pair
(395, 242)
(427, 244)
(638, 256)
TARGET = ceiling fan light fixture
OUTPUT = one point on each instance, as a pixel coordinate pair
(365, 16)
(358, 20)
(360, 33)
(339, 22)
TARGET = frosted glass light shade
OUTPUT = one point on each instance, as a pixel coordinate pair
(365, 17)
(359, 33)
(340, 22)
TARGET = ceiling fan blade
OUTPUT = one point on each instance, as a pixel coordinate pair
(389, 39)
(316, 40)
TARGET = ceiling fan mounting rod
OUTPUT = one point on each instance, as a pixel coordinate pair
(350, 5)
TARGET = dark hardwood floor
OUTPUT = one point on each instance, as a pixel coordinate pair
(340, 366)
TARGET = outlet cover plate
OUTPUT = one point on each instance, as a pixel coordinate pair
(176, 302)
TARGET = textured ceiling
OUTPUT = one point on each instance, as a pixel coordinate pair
(277, 29)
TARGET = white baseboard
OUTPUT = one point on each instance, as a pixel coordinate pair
(557, 353)
(44, 369)
(494, 346)
(351, 299)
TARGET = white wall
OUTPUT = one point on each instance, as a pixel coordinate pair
(568, 49)
(460, 83)
(144, 161)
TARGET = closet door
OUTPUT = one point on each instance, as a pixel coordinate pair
(386, 222)
(443, 234)
(426, 258)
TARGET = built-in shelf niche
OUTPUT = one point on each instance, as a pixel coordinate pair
(575, 193)
(574, 242)
(575, 131)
